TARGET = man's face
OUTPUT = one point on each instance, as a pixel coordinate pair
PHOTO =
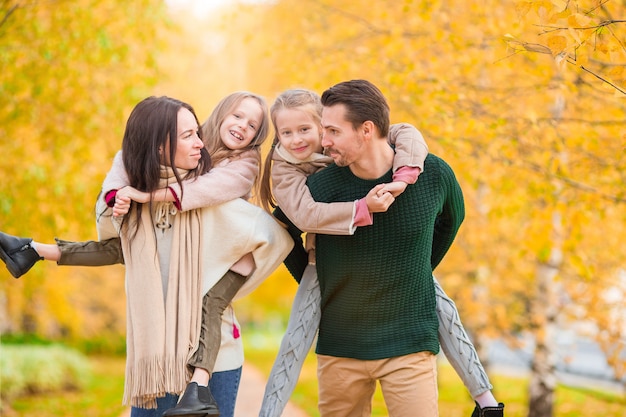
(342, 142)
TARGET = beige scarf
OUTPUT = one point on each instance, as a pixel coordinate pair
(161, 336)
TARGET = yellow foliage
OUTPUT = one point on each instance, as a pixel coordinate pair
(529, 140)
(522, 8)
(557, 44)
(579, 20)
(70, 72)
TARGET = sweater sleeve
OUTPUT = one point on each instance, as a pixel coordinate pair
(106, 225)
(452, 214)
(117, 177)
(221, 184)
(410, 146)
(295, 200)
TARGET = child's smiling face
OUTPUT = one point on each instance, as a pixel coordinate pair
(241, 125)
(298, 133)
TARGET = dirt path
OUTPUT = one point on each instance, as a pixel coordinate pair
(251, 392)
(250, 396)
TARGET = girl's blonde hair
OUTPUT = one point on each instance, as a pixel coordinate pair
(211, 127)
(297, 98)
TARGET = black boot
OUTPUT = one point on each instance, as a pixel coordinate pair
(489, 411)
(196, 401)
(17, 253)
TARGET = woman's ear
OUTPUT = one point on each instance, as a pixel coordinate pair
(162, 160)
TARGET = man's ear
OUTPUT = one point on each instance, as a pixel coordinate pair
(368, 129)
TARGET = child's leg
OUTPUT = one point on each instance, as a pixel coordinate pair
(213, 305)
(21, 254)
(197, 397)
(460, 351)
(296, 343)
(89, 253)
(48, 251)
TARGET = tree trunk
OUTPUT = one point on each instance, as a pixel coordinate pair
(545, 313)
(481, 289)
(543, 379)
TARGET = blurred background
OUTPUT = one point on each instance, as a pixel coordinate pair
(526, 100)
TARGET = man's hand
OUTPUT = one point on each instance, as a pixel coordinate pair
(378, 200)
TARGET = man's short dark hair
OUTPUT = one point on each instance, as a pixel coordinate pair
(363, 101)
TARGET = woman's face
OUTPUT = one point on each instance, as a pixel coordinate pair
(188, 143)
(241, 125)
(298, 133)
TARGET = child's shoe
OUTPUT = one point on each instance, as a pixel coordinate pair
(196, 401)
(489, 411)
(17, 254)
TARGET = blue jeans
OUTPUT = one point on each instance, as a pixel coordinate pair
(224, 386)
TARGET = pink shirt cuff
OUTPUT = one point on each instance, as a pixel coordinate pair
(109, 198)
(407, 174)
(176, 199)
(362, 216)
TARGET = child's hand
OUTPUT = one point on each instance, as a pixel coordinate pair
(124, 196)
(134, 194)
(378, 200)
(121, 206)
(395, 188)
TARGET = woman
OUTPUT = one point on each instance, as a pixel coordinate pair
(233, 134)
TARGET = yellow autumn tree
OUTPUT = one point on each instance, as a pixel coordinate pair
(585, 35)
(70, 71)
(586, 42)
(536, 139)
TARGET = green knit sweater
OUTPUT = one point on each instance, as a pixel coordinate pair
(378, 296)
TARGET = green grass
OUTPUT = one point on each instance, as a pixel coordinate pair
(33, 368)
(454, 400)
(101, 396)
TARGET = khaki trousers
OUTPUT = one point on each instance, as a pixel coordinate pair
(408, 383)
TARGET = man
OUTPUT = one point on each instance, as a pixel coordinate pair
(377, 284)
